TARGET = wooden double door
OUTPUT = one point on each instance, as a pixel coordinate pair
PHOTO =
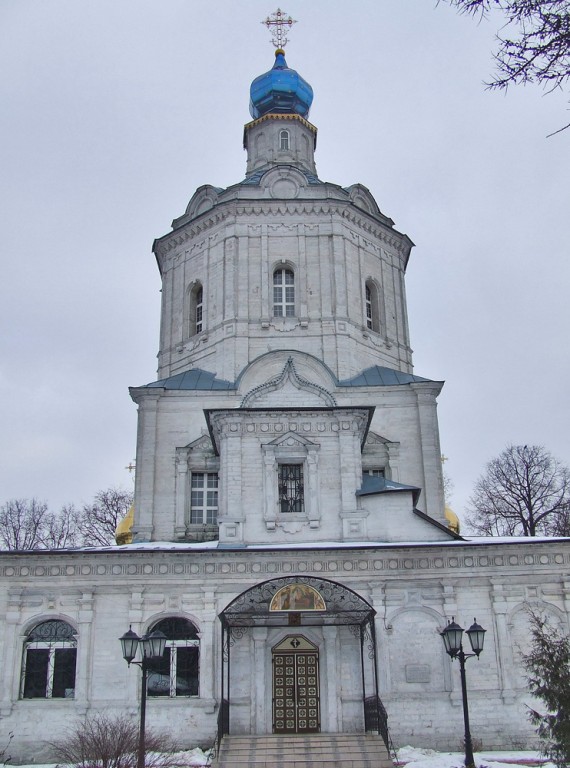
(296, 699)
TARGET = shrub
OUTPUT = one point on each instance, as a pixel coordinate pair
(106, 741)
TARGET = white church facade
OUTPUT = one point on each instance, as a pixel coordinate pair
(289, 532)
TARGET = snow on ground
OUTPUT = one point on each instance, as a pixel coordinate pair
(413, 757)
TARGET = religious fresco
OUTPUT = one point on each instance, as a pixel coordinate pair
(297, 597)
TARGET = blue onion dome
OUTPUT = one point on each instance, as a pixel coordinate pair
(280, 90)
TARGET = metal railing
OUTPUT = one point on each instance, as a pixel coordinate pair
(376, 720)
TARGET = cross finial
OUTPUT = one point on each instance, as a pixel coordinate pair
(278, 24)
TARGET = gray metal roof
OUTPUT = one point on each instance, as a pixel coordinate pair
(378, 376)
(198, 379)
(372, 485)
(195, 378)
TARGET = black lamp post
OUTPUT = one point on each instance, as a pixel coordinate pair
(452, 639)
(152, 647)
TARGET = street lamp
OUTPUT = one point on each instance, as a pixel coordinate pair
(452, 639)
(152, 648)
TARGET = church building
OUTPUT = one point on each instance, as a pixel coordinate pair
(289, 536)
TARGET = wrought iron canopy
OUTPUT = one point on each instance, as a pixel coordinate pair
(252, 607)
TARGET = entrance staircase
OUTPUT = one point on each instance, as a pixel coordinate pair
(315, 750)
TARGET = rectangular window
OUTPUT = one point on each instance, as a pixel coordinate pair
(204, 498)
(177, 672)
(373, 473)
(291, 490)
(50, 673)
(37, 673)
(368, 308)
(283, 293)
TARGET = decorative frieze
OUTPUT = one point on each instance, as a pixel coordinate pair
(124, 564)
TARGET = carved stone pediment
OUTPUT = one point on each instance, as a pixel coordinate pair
(284, 388)
(290, 440)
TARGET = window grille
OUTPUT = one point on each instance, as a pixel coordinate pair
(291, 491)
(284, 140)
(50, 655)
(177, 673)
(204, 498)
(283, 293)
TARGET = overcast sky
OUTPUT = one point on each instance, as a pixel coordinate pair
(114, 111)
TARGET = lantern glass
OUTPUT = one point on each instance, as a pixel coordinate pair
(154, 644)
(129, 643)
(476, 635)
(451, 636)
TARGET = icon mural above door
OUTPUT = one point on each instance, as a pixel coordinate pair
(296, 701)
(297, 597)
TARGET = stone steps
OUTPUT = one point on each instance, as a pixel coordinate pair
(316, 750)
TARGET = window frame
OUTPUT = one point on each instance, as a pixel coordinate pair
(205, 507)
(372, 306)
(284, 140)
(283, 292)
(51, 643)
(173, 645)
(293, 480)
(195, 320)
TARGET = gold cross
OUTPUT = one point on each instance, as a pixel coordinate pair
(444, 458)
(277, 24)
(131, 466)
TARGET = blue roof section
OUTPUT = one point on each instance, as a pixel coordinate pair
(195, 378)
(255, 179)
(372, 485)
(378, 376)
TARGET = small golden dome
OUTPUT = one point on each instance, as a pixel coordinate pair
(452, 520)
(124, 530)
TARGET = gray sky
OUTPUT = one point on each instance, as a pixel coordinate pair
(114, 111)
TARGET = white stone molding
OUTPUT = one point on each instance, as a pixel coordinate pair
(260, 683)
(330, 665)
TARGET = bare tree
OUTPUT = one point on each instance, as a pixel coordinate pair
(534, 43)
(28, 524)
(22, 523)
(524, 491)
(62, 530)
(99, 519)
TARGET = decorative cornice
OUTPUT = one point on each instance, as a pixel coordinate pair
(280, 116)
(271, 207)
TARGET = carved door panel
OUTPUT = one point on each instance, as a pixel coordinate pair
(296, 687)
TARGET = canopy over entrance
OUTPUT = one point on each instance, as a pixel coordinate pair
(297, 601)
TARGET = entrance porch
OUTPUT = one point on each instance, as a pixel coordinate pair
(299, 658)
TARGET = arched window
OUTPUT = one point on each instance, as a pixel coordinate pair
(50, 654)
(283, 293)
(284, 141)
(177, 673)
(372, 307)
(196, 311)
